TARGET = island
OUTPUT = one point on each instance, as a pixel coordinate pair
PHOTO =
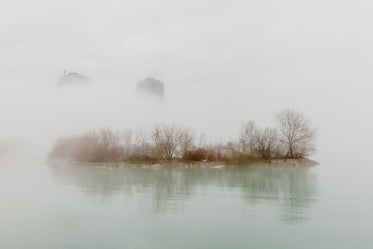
(289, 143)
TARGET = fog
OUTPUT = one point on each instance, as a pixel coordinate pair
(222, 63)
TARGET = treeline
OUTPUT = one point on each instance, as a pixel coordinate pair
(293, 137)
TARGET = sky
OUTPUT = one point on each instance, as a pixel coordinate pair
(222, 63)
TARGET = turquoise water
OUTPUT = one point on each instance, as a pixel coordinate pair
(45, 207)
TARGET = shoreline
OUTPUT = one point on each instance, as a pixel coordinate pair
(290, 162)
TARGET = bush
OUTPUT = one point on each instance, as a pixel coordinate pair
(165, 142)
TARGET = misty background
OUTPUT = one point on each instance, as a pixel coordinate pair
(222, 63)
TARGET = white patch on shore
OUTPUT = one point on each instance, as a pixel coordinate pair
(218, 167)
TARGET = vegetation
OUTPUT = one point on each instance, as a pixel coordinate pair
(294, 137)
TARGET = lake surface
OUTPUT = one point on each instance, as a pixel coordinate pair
(319, 207)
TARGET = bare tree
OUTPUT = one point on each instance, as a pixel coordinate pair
(142, 144)
(87, 148)
(267, 142)
(231, 151)
(186, 139)
(127, 136)
(297, 134)
(166, 141)
(109, 144)
(248, 138)
(296, 139)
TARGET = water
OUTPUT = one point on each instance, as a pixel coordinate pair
(45, 207)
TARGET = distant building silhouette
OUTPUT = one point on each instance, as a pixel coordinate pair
(151, 86)
(72, 78)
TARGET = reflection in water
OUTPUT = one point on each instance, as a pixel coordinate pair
(292, 189)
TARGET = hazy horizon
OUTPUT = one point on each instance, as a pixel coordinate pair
(222, 63)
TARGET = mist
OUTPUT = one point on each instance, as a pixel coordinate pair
(222, 63)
